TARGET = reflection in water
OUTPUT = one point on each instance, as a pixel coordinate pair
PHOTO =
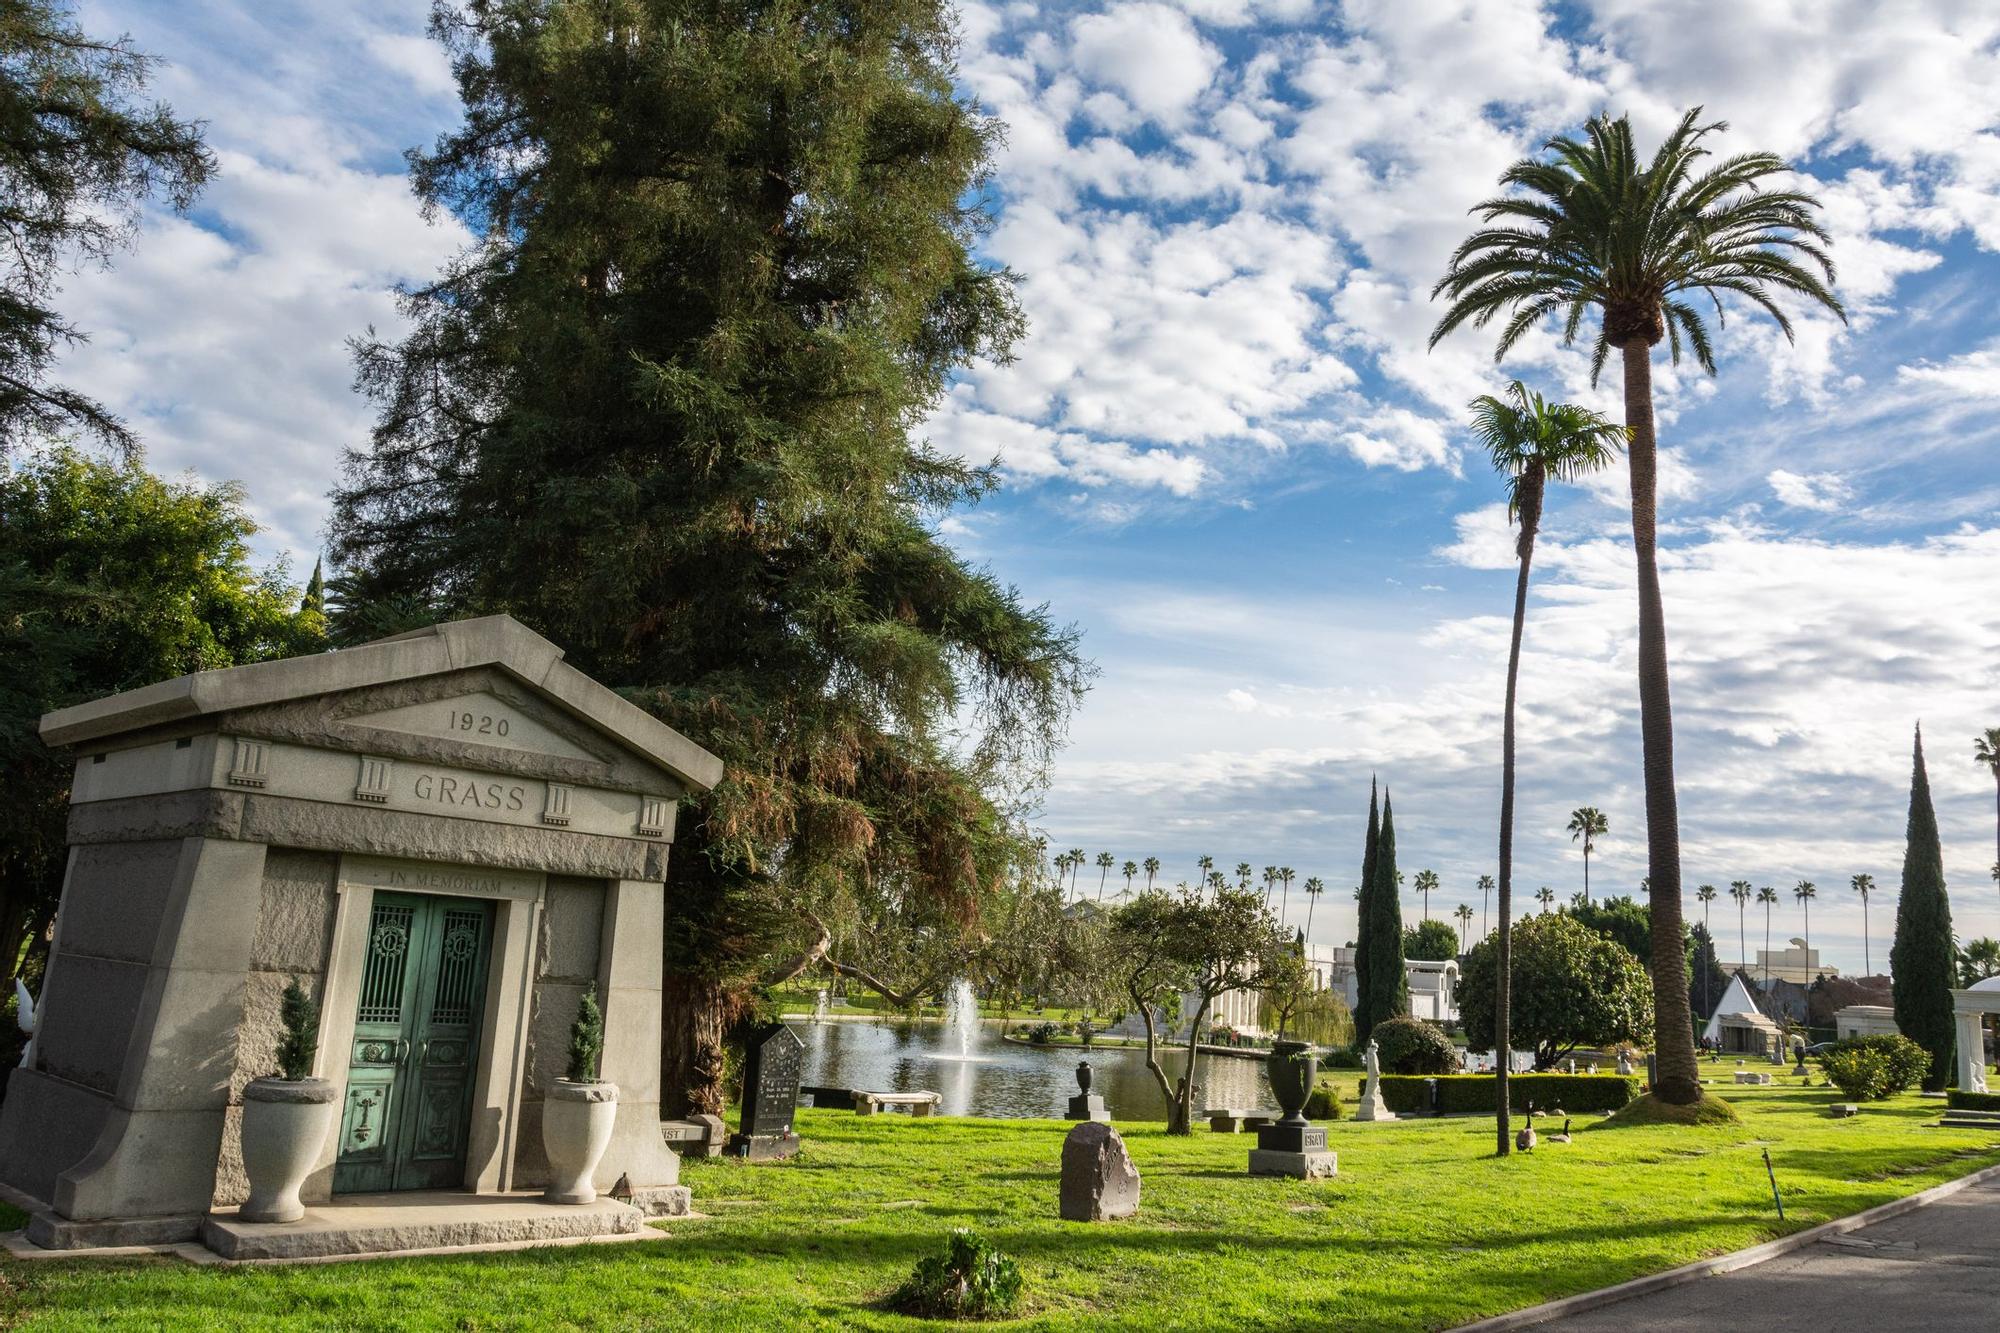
(1009, 1080)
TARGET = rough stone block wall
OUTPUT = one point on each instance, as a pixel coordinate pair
(294, 939)
(566, 964)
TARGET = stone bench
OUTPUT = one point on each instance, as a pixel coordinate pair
(1231, 1120)
(697, 1136)
(920, 1103)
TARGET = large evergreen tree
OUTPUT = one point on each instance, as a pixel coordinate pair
(1364, 1015)
(1920, 961)
(79, 154)
(1382, 936)
(665, 411)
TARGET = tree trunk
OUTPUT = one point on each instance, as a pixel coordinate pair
(1678, 1079)
(1503, 969)
(1182, 1120)
(695, 1016)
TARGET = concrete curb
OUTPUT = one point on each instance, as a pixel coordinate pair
(1725, 1263)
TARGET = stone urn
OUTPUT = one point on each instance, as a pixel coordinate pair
(576, 1129)
(285, 1124)
(1083, 1077)
(1292, 1067)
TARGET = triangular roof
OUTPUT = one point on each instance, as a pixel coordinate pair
(490, 641)
(1736, 1001)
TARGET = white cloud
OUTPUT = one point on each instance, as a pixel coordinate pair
(1974, 374)
(1826, 492)
(1148, 52)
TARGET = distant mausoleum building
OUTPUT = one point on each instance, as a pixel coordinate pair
(1865, 1020)
(445, 837)
(1796, 963)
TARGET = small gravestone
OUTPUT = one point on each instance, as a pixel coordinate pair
(1087, 1105)
(772, 1064)
(1099, 1182)
(1624, 1064)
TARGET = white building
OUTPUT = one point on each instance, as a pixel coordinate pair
(1738, 1026)
(1865, 1020)
(1795, 963)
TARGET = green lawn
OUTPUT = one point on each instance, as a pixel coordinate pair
(1421, 1229)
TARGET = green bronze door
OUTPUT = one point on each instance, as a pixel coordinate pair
(416, 1037)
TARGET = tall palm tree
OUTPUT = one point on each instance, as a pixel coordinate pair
(1588, 823)
(1243, 877)
(1986, 750)
(1061, 862)
(1314, 887)
(1104, 863)
(1207, 864)
(1485, 888)
(1804, 892)
(1270, 880)
(1531, 442)
(1217, 883)
(1425, 881)
(1769, 897)
(1130, 871)
(1864, 885)
(1285, 877)
(1592, 227)
(1978, 960)
(1152, 867)
(1464, 915)
(1739, 889)
(1544, 895)
(1077, 859)
(1705, 895)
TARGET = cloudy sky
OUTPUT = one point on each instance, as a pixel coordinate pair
(1230, 459)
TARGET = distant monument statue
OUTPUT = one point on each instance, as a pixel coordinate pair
(1371, 1106)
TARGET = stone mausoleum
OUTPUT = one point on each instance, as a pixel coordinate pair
(445, 837)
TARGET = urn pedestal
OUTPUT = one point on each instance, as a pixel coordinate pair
(577, 1120)
(1294, 1146)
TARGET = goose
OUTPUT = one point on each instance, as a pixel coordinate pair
(1525, 1140)
(1562, 1137)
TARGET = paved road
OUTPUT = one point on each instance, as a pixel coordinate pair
(1936, 1269)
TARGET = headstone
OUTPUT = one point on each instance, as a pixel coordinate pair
(1371, 1106)
(1099, 1182)
(1087, 1105)
(1844, 1110)
(771, 1067)
(1624, 1064)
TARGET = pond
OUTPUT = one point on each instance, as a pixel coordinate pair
(999, 1078)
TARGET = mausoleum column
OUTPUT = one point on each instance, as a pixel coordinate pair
(633, 974)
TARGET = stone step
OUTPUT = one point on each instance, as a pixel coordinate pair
(385, 1223)
(1954, 1120)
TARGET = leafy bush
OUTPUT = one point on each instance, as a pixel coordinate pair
(1469, 1094)
(970, 1280)
(1412, 1046)
(1323, 1102)
(1959, 1100)
(1343, 1057)
(1041, 1034)
(298, 1017)
(1871, 1068)
(586, 1039)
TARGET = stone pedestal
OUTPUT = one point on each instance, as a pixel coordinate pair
(1293, 1150)
(1090, 1107)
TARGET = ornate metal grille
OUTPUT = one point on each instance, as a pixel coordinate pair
(455, 980)
(382, 980)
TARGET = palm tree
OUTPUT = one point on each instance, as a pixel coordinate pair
(1285, 877)
(1129, 870)
(1544, 895)
(1077, 859)
(1152, 867)
(1464, 915)
(1061, 862)
(1243, 877)
(1314, 887)
(1270, 879)
(1485, 888)
(1425, 881)
(1591, 227)
(1986, 750)
(1588, 823)
(1978, 960)
(1864, 885)
(1217, 883)
(1207, 864)
(1769, 897)
(1104, 863)
(1805, 892)
(1705, 895)
(1531, 442)
(1739, 889)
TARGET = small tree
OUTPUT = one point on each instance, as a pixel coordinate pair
(1408, 1045)
(298, 1040)
(1382, 933)
(1572, 987)
(1177, 951)
(1920, 961)
(1365, 1016)
(586, 1039)
(1433, 941)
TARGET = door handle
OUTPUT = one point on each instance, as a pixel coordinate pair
(423, 1053)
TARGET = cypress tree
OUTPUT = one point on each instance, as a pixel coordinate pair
(1364, 1016)
(1920, 961)
(1388, 983)
(666, 409)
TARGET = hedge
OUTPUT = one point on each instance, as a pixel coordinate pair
(1972, 1101)
(1459, 1094)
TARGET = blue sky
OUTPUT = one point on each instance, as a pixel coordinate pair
(1231, 461)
